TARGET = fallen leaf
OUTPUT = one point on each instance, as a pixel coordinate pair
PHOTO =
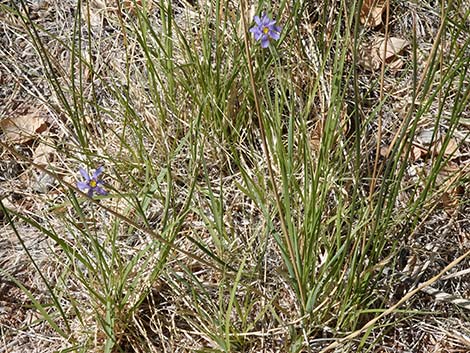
(131, 6)
(380, 50)
(316, 134)
(42, 182)
(450, 202)
(427, 136)
(384, 151)
(368, 57)
(390, 48)
(452, 148)
(448, 178)
(43, 154)
(22, 128)
(417, 153)
(371, 12)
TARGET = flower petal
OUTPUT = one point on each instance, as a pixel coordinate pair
(264, 42)
(274, 35)
(265, 22)
(90, 192)
(270, 23)
(100, 191)
(82, 186)
(258, 35)
(257, 20)
(97, 172)
(84, 174)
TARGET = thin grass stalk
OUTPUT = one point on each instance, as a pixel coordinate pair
(153, 234)
(37, 304)
(268, 160)
(50, 69)
(381, 92)
(392, 309)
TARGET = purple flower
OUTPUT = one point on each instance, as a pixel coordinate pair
(265, 29)
(91, 183)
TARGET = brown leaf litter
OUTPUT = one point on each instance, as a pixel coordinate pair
(371, 12)
(23, 128)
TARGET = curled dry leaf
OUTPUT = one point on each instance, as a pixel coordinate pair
(371, 12)
(316, 134)
(449, 179)
(452, 148)
(428, 142)
(391, 48)
(42, 182)
(131, 5)
(381, 50)
(427, 136)
(417, 153)
(22, 128)
(43, 154)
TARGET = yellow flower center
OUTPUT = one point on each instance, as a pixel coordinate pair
(265, 30)
(92, 183)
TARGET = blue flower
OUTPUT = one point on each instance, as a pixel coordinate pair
(92, 183)
(265, 29)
